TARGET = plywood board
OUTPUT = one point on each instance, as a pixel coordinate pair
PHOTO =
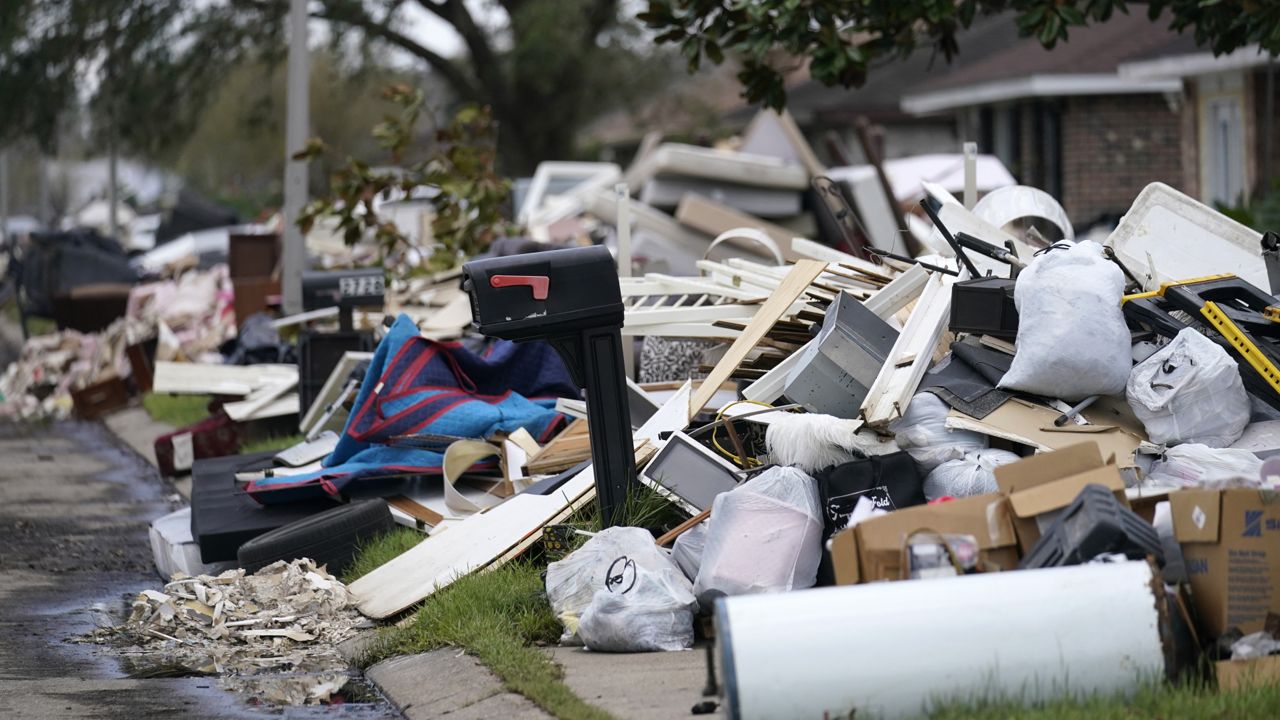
(473, 544)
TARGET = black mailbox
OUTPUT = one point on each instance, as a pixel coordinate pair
(570, 298)
(342, 288)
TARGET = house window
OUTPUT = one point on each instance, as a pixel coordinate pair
(1222, 168)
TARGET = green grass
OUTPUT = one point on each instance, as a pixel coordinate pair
(1184, 702)
(275, 442)
(35, 325)
(380, 550)
(499, 615)
(496, 616)
(176, 410)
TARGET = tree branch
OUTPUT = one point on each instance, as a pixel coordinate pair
(484, 61)
(447, 68)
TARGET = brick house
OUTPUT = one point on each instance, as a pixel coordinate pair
(1117, 106)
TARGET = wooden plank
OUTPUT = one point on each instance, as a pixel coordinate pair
(675, 532)
(892, 390)
(791, 288)
(415, 510)
(479, 542)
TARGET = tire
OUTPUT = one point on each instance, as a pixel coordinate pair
(329, 538)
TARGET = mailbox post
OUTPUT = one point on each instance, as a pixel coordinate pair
(570, 298)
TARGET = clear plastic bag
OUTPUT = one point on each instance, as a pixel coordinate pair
(1189, 391)
(922, 431)
(763, 536)
(634, 587)
(686, 553)
(1072, 338)
(1200, 466)
(971, 475)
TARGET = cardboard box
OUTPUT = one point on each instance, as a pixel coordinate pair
(1231, 546)
(1245, 674)
(1039, 486)
(873, 549)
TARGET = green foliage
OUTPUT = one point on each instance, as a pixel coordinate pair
(380, 550)
(176, 410)
(236, 151)
(771, 36)
(495, 615)
(469, 194)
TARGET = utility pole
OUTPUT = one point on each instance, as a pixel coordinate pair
(294, 250)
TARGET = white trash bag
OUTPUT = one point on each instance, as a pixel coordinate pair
(974, 474)
(1189, 391)
(1072, 338)
(922, 431)
(763, 536)
(1192, 465)
(635, 597)
(686, 553)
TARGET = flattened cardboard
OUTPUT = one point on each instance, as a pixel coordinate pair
(1051, 481)
(1231, 547)
(1246, 674)
(1114, 429)
(873, 550)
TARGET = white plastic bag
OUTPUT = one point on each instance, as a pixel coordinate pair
(763, 536)
(1199, 466)
(1189, 391)
(922, 431)
(971, 475)
(1072, 338)
(686, 553)
(634, 588)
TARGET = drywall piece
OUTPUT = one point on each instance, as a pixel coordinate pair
(777, 135)
(289, 404)
(332, 388)
(604, 205)
(793, 286)
(467, 546)
(667, 192)
(1030, 636)
(1185, 239)
(700, 162)
(256, 402)
(210, 379)
(911, 355)
(711, 217)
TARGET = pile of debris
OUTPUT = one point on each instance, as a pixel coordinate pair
(939, 410)
(287, 617)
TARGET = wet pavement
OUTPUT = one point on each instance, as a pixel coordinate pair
(74, 510)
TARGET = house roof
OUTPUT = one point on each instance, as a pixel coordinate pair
(879, 98)
(1086, 63)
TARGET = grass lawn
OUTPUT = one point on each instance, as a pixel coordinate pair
(35, 325)
(176, 410)
(1164, 702)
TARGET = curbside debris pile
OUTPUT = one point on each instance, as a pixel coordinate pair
(1042, 457)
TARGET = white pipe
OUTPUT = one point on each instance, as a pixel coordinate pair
(894, 649)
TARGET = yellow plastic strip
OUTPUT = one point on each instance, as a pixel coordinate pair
(1241, 343)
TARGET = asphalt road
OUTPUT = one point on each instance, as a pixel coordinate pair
(74, 510)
